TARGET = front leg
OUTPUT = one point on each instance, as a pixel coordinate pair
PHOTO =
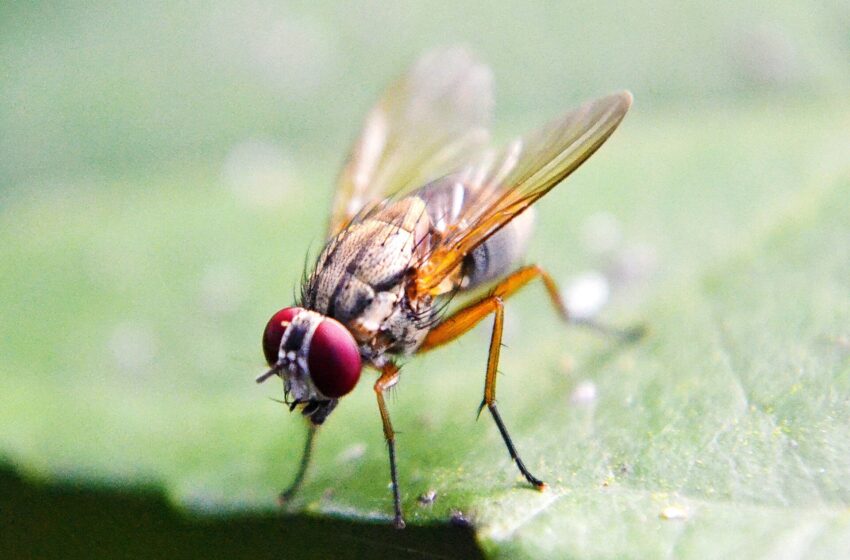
(389, 377)
(287, 494)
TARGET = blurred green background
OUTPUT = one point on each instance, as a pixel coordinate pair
(165, 167)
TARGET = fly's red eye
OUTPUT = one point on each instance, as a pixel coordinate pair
(334, 359)
(274, 332)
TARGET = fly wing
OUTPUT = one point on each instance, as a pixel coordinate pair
(498, 187)
(433, 119)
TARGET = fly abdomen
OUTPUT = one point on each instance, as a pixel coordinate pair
(498, 255)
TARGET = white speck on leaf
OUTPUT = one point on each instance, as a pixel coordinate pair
(584, 393)
(352, 453)
(587, 294)
(673, 512)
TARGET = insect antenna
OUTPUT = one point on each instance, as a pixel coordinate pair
(266, 375)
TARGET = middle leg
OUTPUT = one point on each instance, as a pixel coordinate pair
(465, 319)
(489, 399)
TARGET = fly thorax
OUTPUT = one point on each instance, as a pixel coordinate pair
(372, 318)
(294, 349)
(408, 325)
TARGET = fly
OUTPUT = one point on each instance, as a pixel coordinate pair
(424, 210)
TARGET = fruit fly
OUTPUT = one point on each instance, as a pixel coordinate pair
(424, 210)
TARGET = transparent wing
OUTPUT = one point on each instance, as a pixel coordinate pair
(432, 120)
(498, 187)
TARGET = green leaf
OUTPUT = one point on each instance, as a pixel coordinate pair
(134, 314)
(132, 307)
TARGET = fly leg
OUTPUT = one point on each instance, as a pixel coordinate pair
(461, 322)
(528, 273)
(490, 390)
(624, 334)
(465, 319)
(389, 377)
(287, 494)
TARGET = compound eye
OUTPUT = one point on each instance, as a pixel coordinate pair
(334, 359)
(274, 332)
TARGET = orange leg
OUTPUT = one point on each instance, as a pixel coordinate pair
(389, 377)
(465, 319)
